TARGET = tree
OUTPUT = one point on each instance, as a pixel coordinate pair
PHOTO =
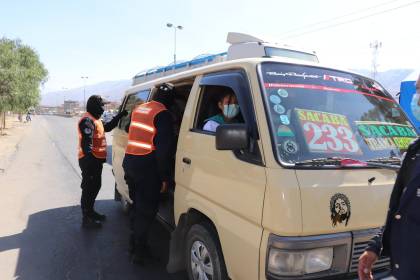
(21, 74)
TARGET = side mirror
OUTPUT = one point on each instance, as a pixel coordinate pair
(232, 137)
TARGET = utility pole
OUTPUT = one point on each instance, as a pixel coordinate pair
(375, 45)
(64, 94)
(84, 78)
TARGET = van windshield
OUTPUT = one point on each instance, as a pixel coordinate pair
(319, 113)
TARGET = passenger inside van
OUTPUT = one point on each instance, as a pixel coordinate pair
(228, 106)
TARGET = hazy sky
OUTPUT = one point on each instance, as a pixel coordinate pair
(112, 40)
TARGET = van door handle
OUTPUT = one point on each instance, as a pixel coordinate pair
(186, 160)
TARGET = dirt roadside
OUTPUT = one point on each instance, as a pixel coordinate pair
(9, 141)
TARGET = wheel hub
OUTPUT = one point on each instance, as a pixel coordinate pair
(201, 262)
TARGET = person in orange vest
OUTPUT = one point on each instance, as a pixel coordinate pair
(92, 155)
(148, 165)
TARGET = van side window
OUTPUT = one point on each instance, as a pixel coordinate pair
(225, 97)
(132, 101)
(217, 105)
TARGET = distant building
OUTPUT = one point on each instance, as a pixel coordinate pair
(112, 106)
(44, 110)
(71, 107)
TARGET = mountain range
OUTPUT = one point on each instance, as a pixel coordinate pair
(114, 90)
(111, 90)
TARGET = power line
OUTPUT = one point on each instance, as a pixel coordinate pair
(340, 17)
(352, 20)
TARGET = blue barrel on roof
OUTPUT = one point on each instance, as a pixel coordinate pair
(197, 61)
(407, 91)
(169, 68)
(181, 65)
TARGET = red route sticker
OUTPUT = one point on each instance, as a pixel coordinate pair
(327, 133)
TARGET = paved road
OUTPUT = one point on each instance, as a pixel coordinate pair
(40, 233)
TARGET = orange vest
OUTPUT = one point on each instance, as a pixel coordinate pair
(142, 129)
(99, 140)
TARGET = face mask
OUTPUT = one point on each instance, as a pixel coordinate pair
(230, 111)
(415, 108)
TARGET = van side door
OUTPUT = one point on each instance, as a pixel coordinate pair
(120, 137)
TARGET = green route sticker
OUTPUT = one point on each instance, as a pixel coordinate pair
(385, 136)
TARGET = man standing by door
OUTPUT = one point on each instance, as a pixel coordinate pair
(92, 155)
(147, 163)
(400, 238)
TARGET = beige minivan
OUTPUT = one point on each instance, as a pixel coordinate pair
(294, 188)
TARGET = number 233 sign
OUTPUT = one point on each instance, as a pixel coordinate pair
(327, 133)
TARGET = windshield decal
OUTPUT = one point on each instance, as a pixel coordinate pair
(275, 99)
(283, 93)
(327, 133)
(279, 109)
(285, 119)
(324, 88)
(290, 147)
(284, 131)
(386, 136)
(337, 79)
(293, 74)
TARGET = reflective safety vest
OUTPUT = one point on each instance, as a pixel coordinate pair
(99, 140)
(142, 129)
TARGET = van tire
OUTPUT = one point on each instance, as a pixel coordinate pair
(203, 238)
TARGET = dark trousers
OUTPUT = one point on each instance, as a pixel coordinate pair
(144, 188)
(91, 182)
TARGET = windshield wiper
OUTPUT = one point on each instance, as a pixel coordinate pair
(333, 161)
(391, 160)
(388, 163)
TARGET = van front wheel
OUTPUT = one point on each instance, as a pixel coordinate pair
(204, 257)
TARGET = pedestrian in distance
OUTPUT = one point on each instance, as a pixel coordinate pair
(147, 165)
(92, 155)
(400, 238)
(28, 117)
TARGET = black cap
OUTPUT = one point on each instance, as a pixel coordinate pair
(165, 94)
(166, 88)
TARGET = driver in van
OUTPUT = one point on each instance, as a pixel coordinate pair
(147, 165)
(228, 105)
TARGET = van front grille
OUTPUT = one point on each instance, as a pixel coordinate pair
(360, 242)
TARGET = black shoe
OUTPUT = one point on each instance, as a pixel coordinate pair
(90, 223)
(98, 217)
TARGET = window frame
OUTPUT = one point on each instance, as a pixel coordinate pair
(237, 81)
(124, 104)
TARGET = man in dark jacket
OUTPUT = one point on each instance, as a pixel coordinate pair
(147, 164)
(92, 155)
(400, 238)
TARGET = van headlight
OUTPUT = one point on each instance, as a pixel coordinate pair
(306, 257)
(292, 263)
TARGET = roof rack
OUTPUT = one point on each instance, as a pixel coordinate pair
(241, 46)
(158, 72)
